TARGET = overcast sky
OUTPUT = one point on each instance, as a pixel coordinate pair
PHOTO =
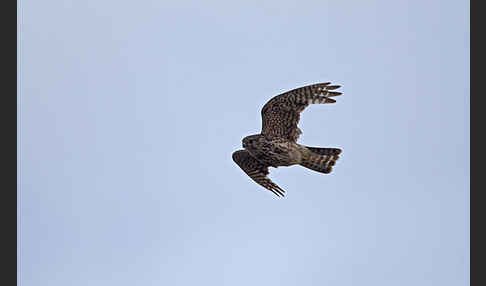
(130, 110)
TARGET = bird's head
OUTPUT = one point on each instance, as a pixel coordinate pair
(250, 141)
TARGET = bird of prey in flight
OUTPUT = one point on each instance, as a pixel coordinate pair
(277, 145)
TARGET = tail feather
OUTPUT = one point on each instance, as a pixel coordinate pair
(321, 159)
(325, 151)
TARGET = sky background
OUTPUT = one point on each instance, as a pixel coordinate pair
(129, 112)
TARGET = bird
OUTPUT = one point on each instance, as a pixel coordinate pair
(276, 145)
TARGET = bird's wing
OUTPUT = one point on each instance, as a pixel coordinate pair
(256, 171)
(281, 114)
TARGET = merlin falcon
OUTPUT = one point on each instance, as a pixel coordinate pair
(277, 145)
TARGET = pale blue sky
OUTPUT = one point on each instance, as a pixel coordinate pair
(130, 111)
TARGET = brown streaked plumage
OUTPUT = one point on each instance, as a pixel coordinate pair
(277, 145)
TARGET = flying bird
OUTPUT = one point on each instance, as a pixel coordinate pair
(277, 145)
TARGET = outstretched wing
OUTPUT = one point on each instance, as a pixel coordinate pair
(256, 170)
(281, 114)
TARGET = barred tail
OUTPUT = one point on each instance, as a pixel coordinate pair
(321, 159)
